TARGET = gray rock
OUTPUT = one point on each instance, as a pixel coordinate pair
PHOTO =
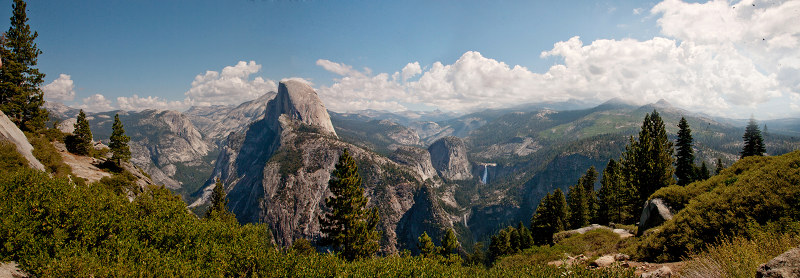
(217, 122)
(11, 133)
(68, 125)
(298, 101)
(11, 270)
(603, 261)
(276, 171)
(449, 158)
(662, 272)
(418, 159)
(654, 213)
(782, 266)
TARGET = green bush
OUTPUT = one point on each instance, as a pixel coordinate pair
(755, 190)
(10, 159)
(48, 155)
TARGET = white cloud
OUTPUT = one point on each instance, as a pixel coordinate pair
(716, 58)
(232, 86)
(137, 103)
(96, 103)
(62, 89)
(637, 11)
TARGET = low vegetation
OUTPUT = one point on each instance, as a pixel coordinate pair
(756, 191)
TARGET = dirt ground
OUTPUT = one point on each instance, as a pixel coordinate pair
(82, 166)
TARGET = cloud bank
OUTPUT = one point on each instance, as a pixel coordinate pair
(62, 89)
(722, 58)
(231, 86)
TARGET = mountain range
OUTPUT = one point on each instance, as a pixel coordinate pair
(424, 171)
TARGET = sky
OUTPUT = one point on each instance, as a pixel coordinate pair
(731, 59)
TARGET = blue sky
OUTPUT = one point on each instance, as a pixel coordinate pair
(156, 49)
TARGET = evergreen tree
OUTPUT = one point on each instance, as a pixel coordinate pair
(578, 207)
(477, 257)
(684, 162)
(753, 142)
(550, 218)
(720, 167)
(219, 204)
(119, 142)
(648, 160)
(449, 242)
(614, 197)
(587, 181)
(21, 99)
(425, 245)
(81, 140)
(702, 172)
(349, 227)
(525, 237)
(500, 245)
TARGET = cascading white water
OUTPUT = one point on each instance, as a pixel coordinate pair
(485, 173)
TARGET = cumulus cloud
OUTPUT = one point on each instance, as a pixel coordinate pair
(720, 58)
(137, 103)
(232, 86)
(62, 89)
(96, 103)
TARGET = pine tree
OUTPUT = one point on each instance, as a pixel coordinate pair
(578, 207)
(702, 172)
(648, 160)
(119, 142)
(753, 142)
(477, 257)
(720, 167)
(500, 245)
(525, 237)
(550, 217)
(684, 162)
(219, 204)
(614, 197)
(587, 181)
(81, 140)
(449, 242)
(349, 227)
(425, 245)
(21, 99)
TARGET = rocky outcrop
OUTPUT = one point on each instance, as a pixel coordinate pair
(662, 272)
(276, 171)
(217, 122)
(298, 101)
(449, 158)
(654, 213)
(11, 133)
(783, 266)
(418, 159)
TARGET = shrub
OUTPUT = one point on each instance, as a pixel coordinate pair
(754, 190)
(10, 159)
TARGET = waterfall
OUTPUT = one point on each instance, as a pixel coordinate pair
(485, 173)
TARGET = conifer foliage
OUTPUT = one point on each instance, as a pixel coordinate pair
(81, 140)
(615, 196)
(219, 204)
(550, 217)
(349, 227)
(119, 142)
(21, 99)
(648, 160)
(684, 164)
(425, 245)
(753, 142)
(449, 242)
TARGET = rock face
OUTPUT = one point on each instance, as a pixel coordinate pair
(216, 122)
(298, 101)
(654, 213)
(418, 159)
(276, 171)
(449, 158)
(783, 266)
(11, 133)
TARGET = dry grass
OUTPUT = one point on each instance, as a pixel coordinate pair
(738, 256)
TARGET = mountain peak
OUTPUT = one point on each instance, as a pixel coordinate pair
(299, 102)
(662, 103)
